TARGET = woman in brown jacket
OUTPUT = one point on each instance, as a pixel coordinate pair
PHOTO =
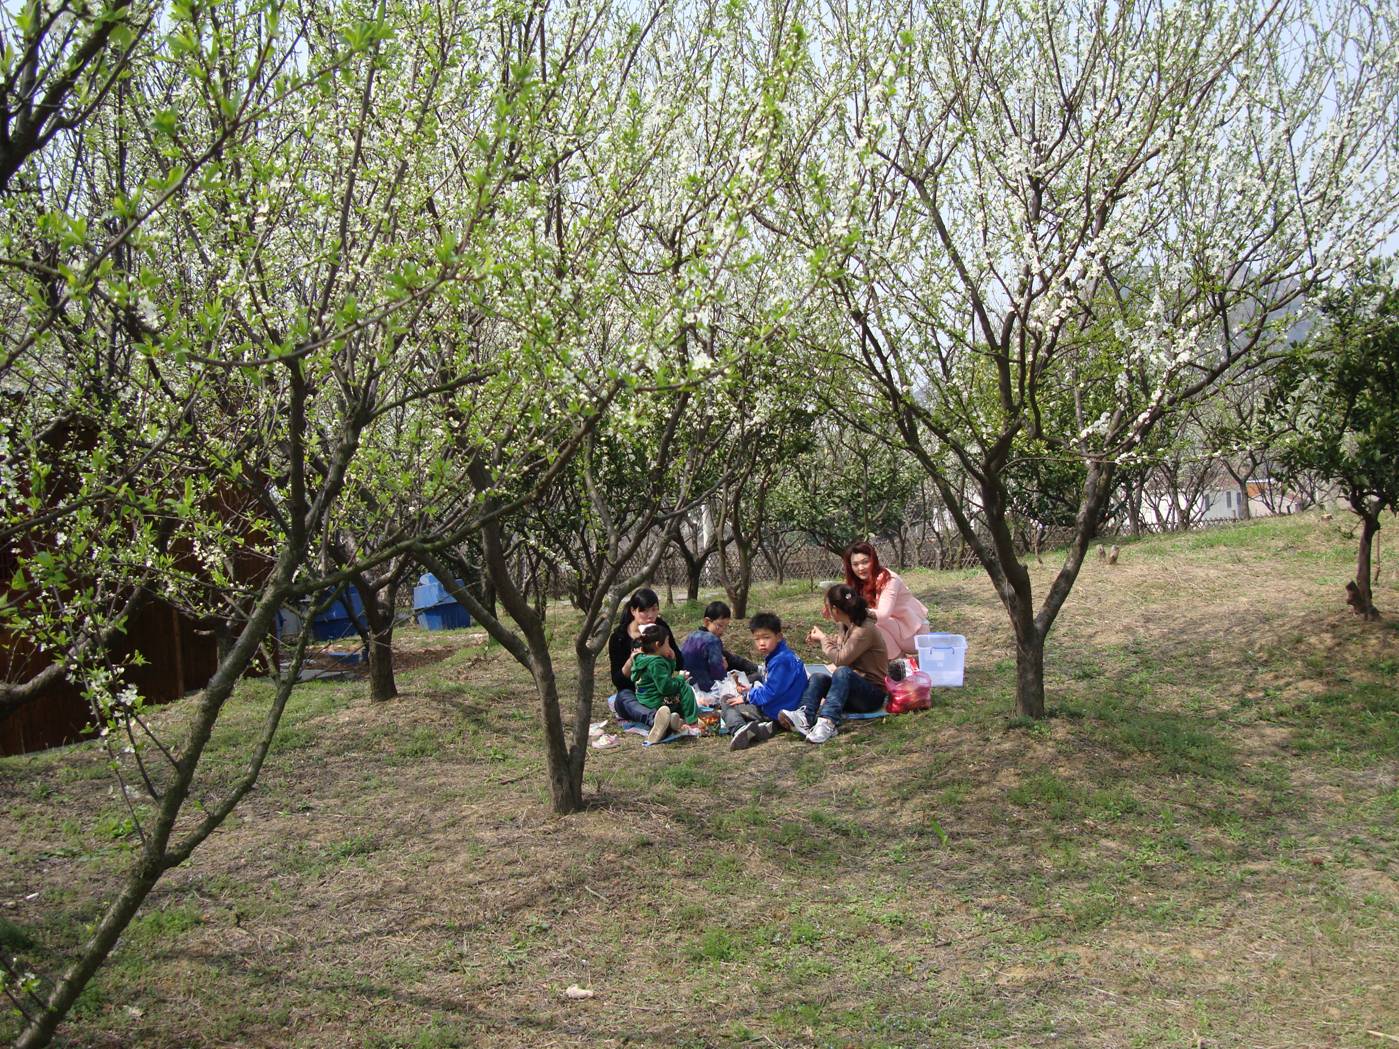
(859, 662)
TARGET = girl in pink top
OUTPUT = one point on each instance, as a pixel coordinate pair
(899, 615)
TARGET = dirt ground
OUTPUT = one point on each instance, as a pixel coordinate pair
(1199, 848)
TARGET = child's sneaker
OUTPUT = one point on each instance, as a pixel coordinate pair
(676, 722)
(660, 727)
(795, 721)
(749, 733)
(824, 729)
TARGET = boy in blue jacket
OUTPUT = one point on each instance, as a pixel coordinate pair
(753, 717)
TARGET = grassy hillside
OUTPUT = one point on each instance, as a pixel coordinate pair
(1200, 847)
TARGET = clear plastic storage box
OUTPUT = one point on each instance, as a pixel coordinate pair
(942, 657)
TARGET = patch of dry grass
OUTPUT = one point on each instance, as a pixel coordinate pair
(1198, 849)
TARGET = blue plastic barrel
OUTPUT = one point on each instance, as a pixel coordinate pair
(435, 608)
(335, 622)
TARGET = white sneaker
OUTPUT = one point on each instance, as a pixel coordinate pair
(676, 722)
(660, 728)
(823, 730)
(795, 720)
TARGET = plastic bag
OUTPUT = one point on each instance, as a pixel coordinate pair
(913, 692)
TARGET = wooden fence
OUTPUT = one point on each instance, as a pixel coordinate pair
(177, 658)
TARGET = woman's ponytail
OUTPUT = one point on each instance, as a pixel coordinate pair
(848, 600)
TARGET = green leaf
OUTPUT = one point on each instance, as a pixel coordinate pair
(165, 122)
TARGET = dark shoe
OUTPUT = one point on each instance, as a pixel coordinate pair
(748, 734)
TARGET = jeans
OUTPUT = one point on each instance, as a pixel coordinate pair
(847, 690)
(628, 709)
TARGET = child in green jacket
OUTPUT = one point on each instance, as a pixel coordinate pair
(660, 688)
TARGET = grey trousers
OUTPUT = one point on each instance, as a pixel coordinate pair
(735, 717)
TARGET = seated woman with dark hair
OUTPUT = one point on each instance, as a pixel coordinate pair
(856, 683)
(642, 609)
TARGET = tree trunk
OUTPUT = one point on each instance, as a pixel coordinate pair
(225, 633)
(1012, 581)
(1015, 587)
(565, 783)
(1245, 513)
(565, 789)
(694, 569)
(1029, 674)
(381, 680)
(586, 662)
(738, 586)
(487, 590)
(378, 638)
(1018, 598)
(1178, 507)
(40, 1030)
(1364, 597)
(565, 786)
(776, 559)
(738, 599)
(1134, 508)
(154, 860)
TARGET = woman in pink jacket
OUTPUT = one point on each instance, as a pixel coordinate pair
(899, 615)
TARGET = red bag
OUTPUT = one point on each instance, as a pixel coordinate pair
(914, 692)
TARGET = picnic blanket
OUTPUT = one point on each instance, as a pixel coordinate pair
(645, 730)
(723, 730)
(639, 729)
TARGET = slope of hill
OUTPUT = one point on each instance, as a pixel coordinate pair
(1200, 847)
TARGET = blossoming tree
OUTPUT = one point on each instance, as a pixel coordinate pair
(214, 335)
(1080, 204)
